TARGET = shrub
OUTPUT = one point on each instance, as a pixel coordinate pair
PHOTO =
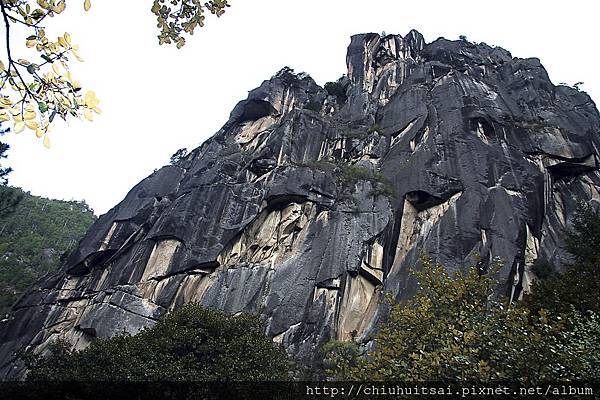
(579, 285)
(313, 105)
(453, 331)
(178, 156)
(542, 268)
(337, 89)
(353, 173)
(354, 134)
(583, 240)
(350, 174)
(374, 128)
(189, 344)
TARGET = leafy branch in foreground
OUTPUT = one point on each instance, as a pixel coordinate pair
(178, 17)
(34, 91)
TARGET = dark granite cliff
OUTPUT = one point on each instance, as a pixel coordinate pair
(310, 203)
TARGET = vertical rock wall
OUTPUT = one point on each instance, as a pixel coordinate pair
(309, 204)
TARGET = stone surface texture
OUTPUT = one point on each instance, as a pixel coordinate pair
(311, 203)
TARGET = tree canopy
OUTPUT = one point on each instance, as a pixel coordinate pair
(176, 18)
(189, 344)
(579, 286)
(453, 330)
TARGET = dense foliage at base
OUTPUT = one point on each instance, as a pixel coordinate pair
(190, 344)
(34, 233)
(454, 329)
(579, 286)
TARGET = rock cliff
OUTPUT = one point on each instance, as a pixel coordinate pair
(312, 202)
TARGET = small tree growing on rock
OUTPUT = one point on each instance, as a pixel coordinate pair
(178, 156)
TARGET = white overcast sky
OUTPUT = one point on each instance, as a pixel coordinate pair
(156, 99)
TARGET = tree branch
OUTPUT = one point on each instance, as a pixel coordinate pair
(11, 62)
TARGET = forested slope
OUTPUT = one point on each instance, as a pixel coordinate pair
(34, 237)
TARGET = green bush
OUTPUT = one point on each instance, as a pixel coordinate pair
(452, 331)
(583, 241)
(353, 173)
(350, 174)
(578, 287)
(542, 268)
(313, 105)
(374, 128)
(354, 134)
(338, 90)
(190, 344)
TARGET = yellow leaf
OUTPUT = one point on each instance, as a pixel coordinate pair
(56, 68)
(59, 7)
(33, 125)
(30, 43)
(90, 97)
(19, 126)
(87, 4)
(46, 142)
(87, 113)
(29, 115)
(67, 37)
(75, 52)
(65, 102)
(5, 101)
(2, 68)
(4, 117)
(39, 133)
(63, 42)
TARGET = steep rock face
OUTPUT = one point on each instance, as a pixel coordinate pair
(310, 203)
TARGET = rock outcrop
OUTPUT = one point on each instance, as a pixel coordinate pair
(312, 202)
